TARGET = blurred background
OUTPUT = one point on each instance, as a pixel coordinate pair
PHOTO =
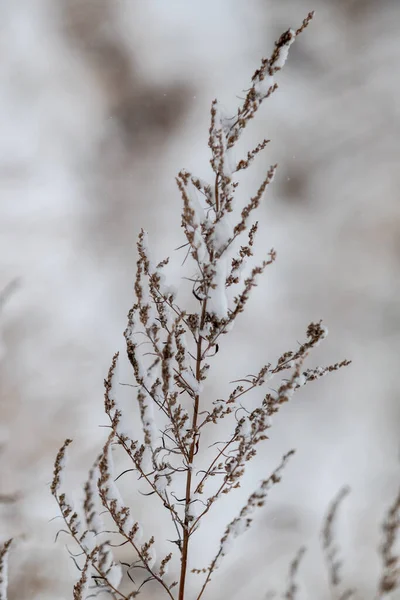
(102, 103)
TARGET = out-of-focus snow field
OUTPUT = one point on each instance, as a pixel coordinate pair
(101, 104)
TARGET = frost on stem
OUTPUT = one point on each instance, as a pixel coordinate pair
(169, 349)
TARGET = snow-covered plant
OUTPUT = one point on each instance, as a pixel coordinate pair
(169, 349)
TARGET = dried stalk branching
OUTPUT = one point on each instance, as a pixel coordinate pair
(169, 349)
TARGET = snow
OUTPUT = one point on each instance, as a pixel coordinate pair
(199, 217)
(200, 246)
(222, 118)
(196, 505)
(114, 494)
(199, 213)
(223, 233)
(89, 541)
(326, 331)
(153, 556)
(206, 330)
(69, 500)
(147, 460)
(229, 326)
(114, 575)
(162, 480)
(167, 289)
(230, 162)
(218, 300)
(149, 423)
(284, 50)
(236, 528)
(244, 429)
(262, 87)
(223, 123)
(191, 380)
(300, 380)
(108, 558)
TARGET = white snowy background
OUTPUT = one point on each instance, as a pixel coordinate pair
(101, 104)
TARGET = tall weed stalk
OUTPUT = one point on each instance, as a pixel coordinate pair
(170, 349)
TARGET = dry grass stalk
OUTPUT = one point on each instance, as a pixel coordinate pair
(4, 550)
(390, 578)
(170, 372)
(331, 550)
(291, 592)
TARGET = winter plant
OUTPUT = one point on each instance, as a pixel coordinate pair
(169, 349)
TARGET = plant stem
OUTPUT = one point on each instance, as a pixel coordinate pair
(186, 531)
